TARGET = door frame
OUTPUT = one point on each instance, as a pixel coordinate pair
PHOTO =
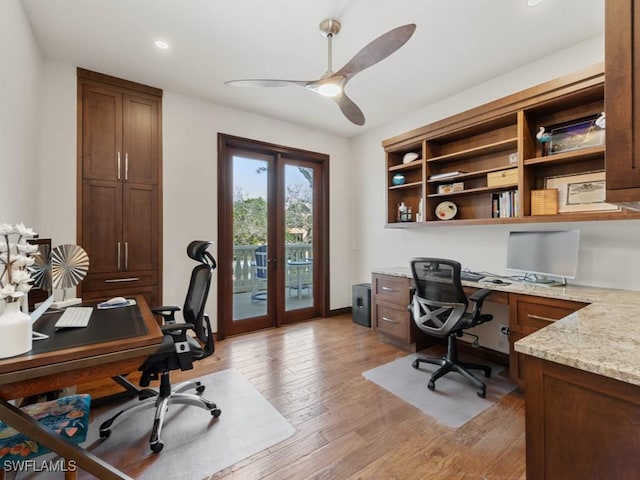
(225, 225)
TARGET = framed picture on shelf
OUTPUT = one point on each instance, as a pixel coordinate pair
(584, 192)
(582, 134)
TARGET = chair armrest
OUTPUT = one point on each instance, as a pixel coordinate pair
(166, 312)
(480, 295)
(478, 298)
(176, 327)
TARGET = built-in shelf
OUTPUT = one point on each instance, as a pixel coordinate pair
(482, 141)
(477, 151)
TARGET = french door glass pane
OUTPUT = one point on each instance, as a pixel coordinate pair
(298, 236)
(250, 207)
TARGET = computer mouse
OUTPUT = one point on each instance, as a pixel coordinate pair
(497, 281)
(116, 301)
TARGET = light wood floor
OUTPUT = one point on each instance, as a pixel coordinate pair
(348, 427)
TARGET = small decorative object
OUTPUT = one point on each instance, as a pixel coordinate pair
(542, 136)
(15, 282)
(69, 265)
(513, 158)
(410, 157)
(582, 134)
(398, 179)
(404, 213)
(544, 202)
(601, 121)
(446, 210)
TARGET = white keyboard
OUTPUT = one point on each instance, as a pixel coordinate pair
(74, 317)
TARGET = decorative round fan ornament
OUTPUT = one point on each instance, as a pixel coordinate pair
(69, 265)
(40, 271)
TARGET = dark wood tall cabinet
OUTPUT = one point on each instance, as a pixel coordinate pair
(119, 194)
(622, 90)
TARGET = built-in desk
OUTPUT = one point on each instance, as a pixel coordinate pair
(582, 377)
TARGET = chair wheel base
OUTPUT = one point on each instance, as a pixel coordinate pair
(216, 412)
(482, 393)
(200, 388)
(431, 385)
(105, 434)
(157, 447)
(415, 364)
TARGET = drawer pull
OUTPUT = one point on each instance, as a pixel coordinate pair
(120, 280)
(538, 317)
(388, 289)
(387, 319)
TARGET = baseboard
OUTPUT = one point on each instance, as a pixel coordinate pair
(339, 311)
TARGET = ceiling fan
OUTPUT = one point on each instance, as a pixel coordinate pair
(332, 84)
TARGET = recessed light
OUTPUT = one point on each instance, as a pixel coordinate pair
(162, 45)
(534, 3)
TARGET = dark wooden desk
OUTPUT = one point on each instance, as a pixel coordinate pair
(116, 341)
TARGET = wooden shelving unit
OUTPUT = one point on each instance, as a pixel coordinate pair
(498, 140)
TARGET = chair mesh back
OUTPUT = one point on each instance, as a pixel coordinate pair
(196, 299)
(438, 280)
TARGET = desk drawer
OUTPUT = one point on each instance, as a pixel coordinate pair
(391, 289)
(394, 322)
(529, 314)
(118, 280)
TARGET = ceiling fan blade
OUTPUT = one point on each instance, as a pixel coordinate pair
(265, 82)
(377, 50)
(350, 109)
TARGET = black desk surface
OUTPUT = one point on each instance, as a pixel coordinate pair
(104, 326)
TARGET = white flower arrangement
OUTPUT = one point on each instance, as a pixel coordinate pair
(15, 260)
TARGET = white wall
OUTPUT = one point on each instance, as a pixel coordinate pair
(609, 253)
(19, 100)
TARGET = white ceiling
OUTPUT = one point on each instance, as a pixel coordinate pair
(457, 44)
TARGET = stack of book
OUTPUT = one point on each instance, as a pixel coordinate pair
(505, 204)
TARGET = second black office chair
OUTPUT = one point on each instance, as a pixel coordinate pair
(178, 351)
(439, 308)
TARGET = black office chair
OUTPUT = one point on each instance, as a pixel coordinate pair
(439, 308)
(178, 351)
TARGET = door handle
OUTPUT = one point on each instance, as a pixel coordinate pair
(538, 317)
(126, 166)
(388, 289)
(118, 165)
(388, 320)
(126, 255)
(118, 255)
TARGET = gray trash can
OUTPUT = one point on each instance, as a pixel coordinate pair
(361, 310)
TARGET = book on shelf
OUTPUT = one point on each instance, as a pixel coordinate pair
(439, 176)
(505, 204)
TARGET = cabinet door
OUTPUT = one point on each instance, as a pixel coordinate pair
(102, 225)
(140, 227)
(622, 88)
(141, 145)
(101, 118)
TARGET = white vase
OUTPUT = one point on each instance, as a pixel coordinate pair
(15, 331)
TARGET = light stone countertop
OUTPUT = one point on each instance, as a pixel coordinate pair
(602, 338)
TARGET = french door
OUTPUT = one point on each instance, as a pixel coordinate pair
(272, 235)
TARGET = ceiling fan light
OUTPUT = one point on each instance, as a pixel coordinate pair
(329, 89)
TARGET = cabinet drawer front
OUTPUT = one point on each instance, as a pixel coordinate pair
(393, 321)
(390, 289)
(529, 314)
(119, 280)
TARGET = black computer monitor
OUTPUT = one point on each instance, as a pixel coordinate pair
(543, 254)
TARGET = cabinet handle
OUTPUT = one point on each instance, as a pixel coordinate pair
(538, 317)
(126, 255)
(118, 165)
(388, 289)
(126, 166)
(118, 255)
(389, 320)
(120, 280)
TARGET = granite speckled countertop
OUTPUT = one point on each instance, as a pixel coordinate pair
(590, 339)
